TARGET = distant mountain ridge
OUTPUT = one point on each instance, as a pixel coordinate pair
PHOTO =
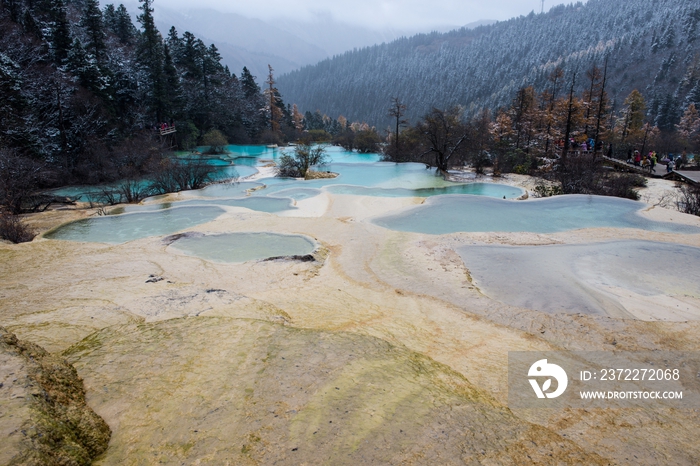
(284, 43)
(652, 45)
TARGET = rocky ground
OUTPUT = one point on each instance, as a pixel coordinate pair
(382, 351)
(43, 416)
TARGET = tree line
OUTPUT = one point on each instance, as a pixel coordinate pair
(652, 45)
(556, 132)
(85, 92)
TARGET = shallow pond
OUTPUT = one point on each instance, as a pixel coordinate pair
(260, 204)
(252, 155)
(223, 171)
(243, 247)
(122, 228)
(583, 278)
(451, 214)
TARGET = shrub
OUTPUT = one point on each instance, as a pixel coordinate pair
(689, 200)
(133, 191)
(367, 141)
(319, 135)
(187, 134)
(13, 229)
(305, 156)
(621, 185)
(516, 162)
(547, 191)
(176, 175)
(216, 141)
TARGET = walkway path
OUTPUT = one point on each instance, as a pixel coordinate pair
(632, 168)
(692, 177)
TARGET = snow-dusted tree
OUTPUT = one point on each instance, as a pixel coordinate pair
(150, 58)
(119, 22)
(689, 128)
(59, 31)
(94, 28)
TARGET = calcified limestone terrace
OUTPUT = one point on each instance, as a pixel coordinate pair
(383, 350)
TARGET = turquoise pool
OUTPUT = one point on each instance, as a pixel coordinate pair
(117, 229)
(244, 247)
(260, 204)
(223, 170)
(451, 214)
(251, 155)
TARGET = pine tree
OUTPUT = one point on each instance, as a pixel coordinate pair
(150, 58)
(174, 44)
(172, 84)
(694, 95)
(59, 32)
(666, 118)
(83, 65)
(94, 28)
(30, 25)
(250, 87)
(126, 31)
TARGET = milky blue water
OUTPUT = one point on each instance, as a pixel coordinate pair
(260, 204)
(252, 155)
(452, 207)
(243, 247)
(387, 180)
(478, 189)
(224, 170)
(451, 214)
(574, 278)
(117, 229)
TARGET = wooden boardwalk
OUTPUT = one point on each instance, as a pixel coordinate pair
(622, 165)
(687, 176)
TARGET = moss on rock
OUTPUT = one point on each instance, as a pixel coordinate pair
(61, 428)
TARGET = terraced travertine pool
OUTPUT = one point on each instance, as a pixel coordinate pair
(244, 247)
(451, 207)
(451, 214)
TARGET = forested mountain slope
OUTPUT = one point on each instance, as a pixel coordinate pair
(82, 89)
(652, 45)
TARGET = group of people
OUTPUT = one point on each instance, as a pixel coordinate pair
(650, 160)
(582, 147)
(647, 161)
(163, 126)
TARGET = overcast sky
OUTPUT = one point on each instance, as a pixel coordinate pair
(376, 14)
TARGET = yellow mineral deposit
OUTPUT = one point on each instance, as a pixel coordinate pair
(383, 350)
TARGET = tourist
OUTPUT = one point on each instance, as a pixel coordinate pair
(653, 162)
(637, 158)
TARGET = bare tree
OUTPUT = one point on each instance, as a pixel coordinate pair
(569, 118)
(397, 110)
(602, 104)
(19, 180)
(444, 134)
